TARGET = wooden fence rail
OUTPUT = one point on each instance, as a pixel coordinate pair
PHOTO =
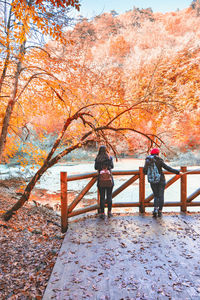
(68, 211)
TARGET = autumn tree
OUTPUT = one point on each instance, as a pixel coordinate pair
(90, 124)
(91, 105)
(115, 82)
(23, 26)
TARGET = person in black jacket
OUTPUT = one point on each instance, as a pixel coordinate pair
(158, 188)
(102, 161)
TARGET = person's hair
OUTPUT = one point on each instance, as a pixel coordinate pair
(102, 155)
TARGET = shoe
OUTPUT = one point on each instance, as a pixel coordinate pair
(102, 215)
(110, 214)
(155, 212)
(160, 213)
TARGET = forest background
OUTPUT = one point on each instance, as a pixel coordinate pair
(130, 81)
(140, 58)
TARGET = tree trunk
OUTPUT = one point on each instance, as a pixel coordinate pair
(7, 59)
(11, 103)
(7, 117)
(3, 75)
(48, 163)
(26, 193)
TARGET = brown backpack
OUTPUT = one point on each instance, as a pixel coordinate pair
(105, 178)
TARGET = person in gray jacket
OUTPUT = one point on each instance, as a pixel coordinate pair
(159, 187)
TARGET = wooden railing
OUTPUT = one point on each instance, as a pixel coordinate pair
(68, 211)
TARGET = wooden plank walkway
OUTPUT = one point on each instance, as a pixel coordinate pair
(129, 257)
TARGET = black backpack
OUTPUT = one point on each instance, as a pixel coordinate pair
(153, 174)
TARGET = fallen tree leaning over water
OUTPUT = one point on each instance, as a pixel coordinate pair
(86, 117)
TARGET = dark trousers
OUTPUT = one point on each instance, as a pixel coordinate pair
(103, 191)
(158, 191)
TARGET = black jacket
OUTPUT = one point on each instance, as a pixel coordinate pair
(107, 163)
(160, 164)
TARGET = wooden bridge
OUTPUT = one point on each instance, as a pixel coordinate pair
(130, 256)
(68, 211)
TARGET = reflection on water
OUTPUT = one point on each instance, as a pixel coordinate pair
(47, 191)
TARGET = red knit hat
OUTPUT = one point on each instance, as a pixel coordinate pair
(155, 151)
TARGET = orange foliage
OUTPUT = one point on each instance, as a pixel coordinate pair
(159, 57)
(139, 59)
(119, 47)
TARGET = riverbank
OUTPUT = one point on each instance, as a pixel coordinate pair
(29, 244)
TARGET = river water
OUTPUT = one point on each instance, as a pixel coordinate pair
(47, 191)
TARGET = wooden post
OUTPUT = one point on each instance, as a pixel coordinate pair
(64, 212)
(184, 190)
(141, 190)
